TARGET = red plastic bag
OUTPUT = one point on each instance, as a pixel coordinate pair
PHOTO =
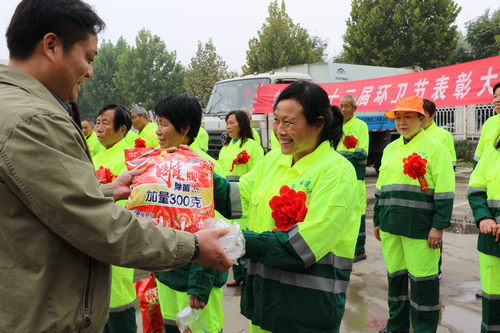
(175, 191)
(147, 292)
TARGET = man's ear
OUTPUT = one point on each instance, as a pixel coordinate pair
(52, 45)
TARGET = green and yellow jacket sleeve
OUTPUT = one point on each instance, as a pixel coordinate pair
(489, 132)
(477, 193)
(202, 279)
(202, 139)
(356, 155)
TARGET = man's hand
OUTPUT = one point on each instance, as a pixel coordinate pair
(435, 238)
(121, 185)
(195, 303)
(489, 226)
(211, 253)
(376, 231)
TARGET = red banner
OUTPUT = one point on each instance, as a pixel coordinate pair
(464, 84)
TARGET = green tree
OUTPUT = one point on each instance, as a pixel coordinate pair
(148, 72)
(400, 33)
(280, 43)
(483, 35)
(102, 88)
(462, 51)
(205, 69)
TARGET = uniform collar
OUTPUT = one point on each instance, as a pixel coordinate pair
(120, 145)
(431, 126)
(307, 161)
(91, 136)
(417, 140)
(350, 122)
(194, 146)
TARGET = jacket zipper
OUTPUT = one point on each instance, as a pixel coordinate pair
(86, 301)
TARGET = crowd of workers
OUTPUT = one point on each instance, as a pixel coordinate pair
(68, 246)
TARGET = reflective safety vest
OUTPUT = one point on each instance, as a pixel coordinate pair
(122, 288)
(148, 134)
(489, 133)
(130, 138)
(356, 155)
(202, 139)
(230, 152)
(95, 146)
(484, 198)
(297, 279)
(445, 138)
(401, 206)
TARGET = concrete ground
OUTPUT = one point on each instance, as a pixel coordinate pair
(366, 307)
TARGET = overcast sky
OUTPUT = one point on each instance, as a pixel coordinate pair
(230, 23)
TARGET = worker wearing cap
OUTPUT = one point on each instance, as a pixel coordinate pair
(413, 204)
(354, 147)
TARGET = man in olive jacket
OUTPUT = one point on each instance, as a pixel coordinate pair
(59, 230)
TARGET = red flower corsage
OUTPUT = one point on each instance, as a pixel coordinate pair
(414, 166)
(350, 142)
(289, 208)
(105, 176)
(139, 143)
(242, 158)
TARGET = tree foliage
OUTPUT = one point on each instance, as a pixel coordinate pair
(205, 69)
(148, 72)
(280, 43)
(401, 33)
(483, 35)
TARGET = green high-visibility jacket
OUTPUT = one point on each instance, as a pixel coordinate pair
(484, 198)
(445, 138)
(358, 154)
(202, 139)
(274, 141)
(297, 279)
(401, 206)
(489, 133)
(130, 138)
(95, 146)
(256, 136)
(230, 152)
(148, 134)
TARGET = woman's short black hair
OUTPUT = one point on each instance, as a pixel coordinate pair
(429, 106)
(496, 87)
(316, 107)
(182, 111)
(122, 116)
(245, 127)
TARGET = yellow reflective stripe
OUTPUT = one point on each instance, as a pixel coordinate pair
(424, 308)
(297, 279)
(474, 189)
(235, 198)
(300, 246)
(122, 308)
(406, 203)
(407, 188)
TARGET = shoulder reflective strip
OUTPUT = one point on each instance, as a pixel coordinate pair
(168, 322)
(297, 279)
(454, 163)
(300, 245)
(424, 278)
(337, 262)
(122, 308)
(397, 273)
(476, 158)
(406, 203)
(493, 203)
(444, 195)
(236, 210)
(407, 188)
(399, 298)
(491, 297)
(473, 189)
(424, 308)
(362, 151)
(491, 328)
(233, 178)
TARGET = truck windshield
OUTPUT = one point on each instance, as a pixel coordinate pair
(233, 95)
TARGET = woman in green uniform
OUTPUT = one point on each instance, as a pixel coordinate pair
(413, 204)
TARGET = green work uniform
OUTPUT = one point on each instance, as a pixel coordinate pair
(406, 213)
(484, 200)
(201, 281)
(274, 141)
(445, 138)
(122, 312)
(229, 152)
(297, 279)
(130, 138)
(202, 139)
(95, 146)
(357, 156)
(256, 136)
(148, 134)
(489, 133)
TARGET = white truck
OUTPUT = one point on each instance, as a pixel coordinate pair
(239, 92)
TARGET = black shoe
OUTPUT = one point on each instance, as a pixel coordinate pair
(359, 257)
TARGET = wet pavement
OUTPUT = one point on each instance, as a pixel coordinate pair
(366, 307)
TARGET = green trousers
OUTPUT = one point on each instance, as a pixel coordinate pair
(490, 283)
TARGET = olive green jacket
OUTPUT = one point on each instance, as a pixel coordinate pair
(59, 230)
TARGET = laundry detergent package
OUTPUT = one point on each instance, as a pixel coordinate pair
(175, 191)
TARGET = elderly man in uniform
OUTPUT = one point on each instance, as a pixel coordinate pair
(146, 130)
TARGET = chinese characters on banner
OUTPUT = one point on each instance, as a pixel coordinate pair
(464, 84)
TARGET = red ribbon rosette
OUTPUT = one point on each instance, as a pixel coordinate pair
(350, 142)
(105, 176)
(139, 143)
(415, 167)
(242, 158)
(289, 208)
